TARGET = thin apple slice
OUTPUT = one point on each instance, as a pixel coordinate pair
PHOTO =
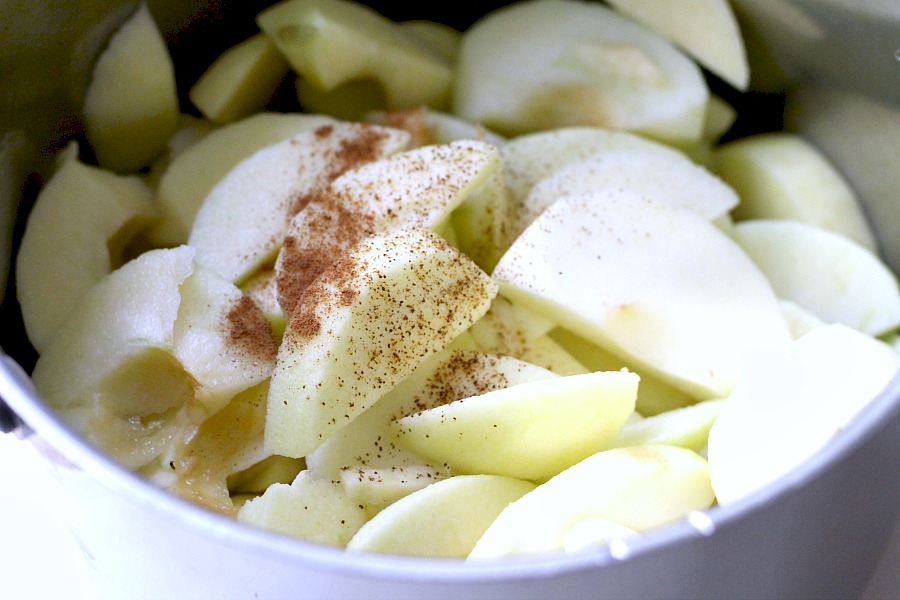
(192, 173)
(363, 326)
(131, 104)
(800, 398)
(416, 188)
(444, 519)
(240, 81)
(640, 487)
(826, 273)
(663, 288)
(61, 257)
(243, 220)
(428, 126)
(541, 64)
(687, 427)
(706, 29)
(529, 431)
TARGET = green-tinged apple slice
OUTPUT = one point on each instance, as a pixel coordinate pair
(640, 487)
(415, 188)
(800, 398)
(109, 370)
(240, 81)
(663, 288)
(826, 273)
(706, 29)
(330, 42)
(349, 101)
(222, 338)
(687, 427)
(541, 64)
(441, 39)
(243, 220)
(363, 326)
(309, 509)
(668, 177)
(192, 173)
(784, 176)
(444, 519)
(81, 222)
(530, 431)
(131, 105)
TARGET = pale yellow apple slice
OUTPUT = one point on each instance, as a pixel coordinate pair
(529, 431)
(441, 39)
(799, 398)
(640, 487)
(131, 105)
(663, 288)
(309, 509)
(542, 64)
(109, 370)
(687, 427)
(444, 519)
(706, 29)
(416, 188)
(330, 42)
(593, 532)
(783, 176)
(798, 318)
(243, 220)
(82, 220)
(192, 173)
(240, 81)
(829, 275)
(363, 326)
(429, 126)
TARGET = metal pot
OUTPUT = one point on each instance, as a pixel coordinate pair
(819, 532)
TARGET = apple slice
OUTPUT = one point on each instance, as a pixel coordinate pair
(541, 64)
(443, 40)
(364, 325)
(240, 81)
(416, 188)
(687, 427)
(263, 290)
(639, 487)
(706, 29)
(826, 273)
(663, 288)
(528, 431)
(244, 218)
(193, 172)
(81, 222)
(330, 42)
(783, 176)
(131, 105)
(800, 398)
(428, 126)
(444, 519)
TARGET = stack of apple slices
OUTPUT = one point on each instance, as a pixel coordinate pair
(408, 334)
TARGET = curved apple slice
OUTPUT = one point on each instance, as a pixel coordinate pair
(244, 218)
(363, 326)
(660, 287)
(444, 519)
(640, 487)
(530, 431)
(826, 273)
(543, 64)
(687, 427)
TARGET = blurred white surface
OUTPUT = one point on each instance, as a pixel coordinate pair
(41, 559)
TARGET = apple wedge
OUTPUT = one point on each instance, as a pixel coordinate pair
(826, 273)
(428, 126)
(640, 487)
(415, 188)
(62, 257)
(800, 397)
(529, 431)
(687, 427)
(706, 29)
(243, 220)
(330, 42)
(663, 288)
(445, 519)
(441, 39)
(541, 64)
(363, 326)
(131, 105)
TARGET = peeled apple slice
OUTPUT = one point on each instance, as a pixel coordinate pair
(638, 488)
(540, 64)
(687, 427)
